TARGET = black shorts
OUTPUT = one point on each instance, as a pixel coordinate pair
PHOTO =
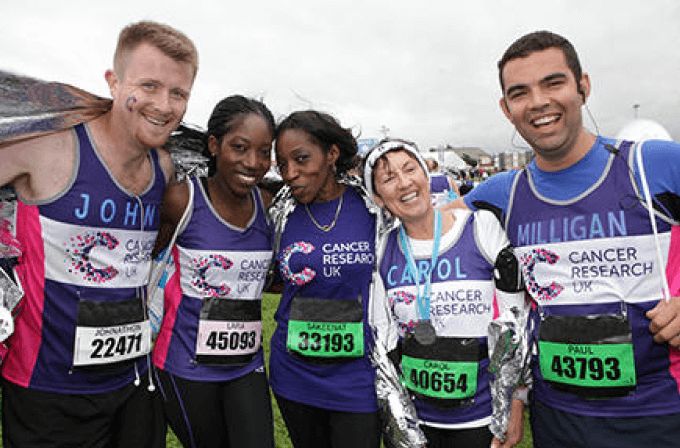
(205, 414)
(552, 428)
(312, 427)
(130, 417)
(452, 438)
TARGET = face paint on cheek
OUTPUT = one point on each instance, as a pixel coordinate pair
(130, 102)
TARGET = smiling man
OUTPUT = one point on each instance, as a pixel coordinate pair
(87, 217)
(606, 362)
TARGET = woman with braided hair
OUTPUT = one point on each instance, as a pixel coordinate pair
(208, 352)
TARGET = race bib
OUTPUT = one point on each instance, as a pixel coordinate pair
(113, 344)
(589, 356)
(442, 374)
(110, 335)
(326, 329)
(229, 331)
(440, 379)
(220, 338)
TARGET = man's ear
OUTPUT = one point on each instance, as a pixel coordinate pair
(584, 87)
(112, 80)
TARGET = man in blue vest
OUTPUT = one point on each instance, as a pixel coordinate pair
(594, 223)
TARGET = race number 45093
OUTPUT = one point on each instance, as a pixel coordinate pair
(228, 338)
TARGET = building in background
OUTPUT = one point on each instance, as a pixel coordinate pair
(504, 161)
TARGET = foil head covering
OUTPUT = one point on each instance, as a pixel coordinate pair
(382, 148)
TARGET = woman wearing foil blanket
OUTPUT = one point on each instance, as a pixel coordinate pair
(208, 352)
(434, 296)
(320, 370)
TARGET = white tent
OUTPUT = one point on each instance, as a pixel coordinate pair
(641, 129)
(447, 159)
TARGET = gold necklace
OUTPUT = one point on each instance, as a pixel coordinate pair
(329, 226)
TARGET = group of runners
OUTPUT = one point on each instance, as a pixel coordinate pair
(361, 261)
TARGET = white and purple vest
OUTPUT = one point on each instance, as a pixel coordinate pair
(462, 303)
(87, 257)
(596, 255)
(440, 189)
(212, 328)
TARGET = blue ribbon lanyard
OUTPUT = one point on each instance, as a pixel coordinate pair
(423, 300)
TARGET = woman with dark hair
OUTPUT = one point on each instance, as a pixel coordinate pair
(320, 371)
(208, 352)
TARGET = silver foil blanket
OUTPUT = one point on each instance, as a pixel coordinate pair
(398, 414)
(31, 107)
(9, 246)
(508, 364)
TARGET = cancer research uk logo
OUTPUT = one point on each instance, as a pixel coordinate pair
(298, 278)
(78, 250)
(529, 261)
(200, 267)
(397, 298)
(83, 256)
(333, 260)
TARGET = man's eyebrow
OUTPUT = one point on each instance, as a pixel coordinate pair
(553, 76)
(546, 79)
(515, 88)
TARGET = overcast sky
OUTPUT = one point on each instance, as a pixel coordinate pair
(425, 70)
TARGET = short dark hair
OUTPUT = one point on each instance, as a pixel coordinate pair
(325, 131)
(538, 41)
(229, 113)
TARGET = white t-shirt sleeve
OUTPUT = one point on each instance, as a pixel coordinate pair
(380, 316)
(492, 239)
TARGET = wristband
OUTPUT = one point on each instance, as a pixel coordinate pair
(522, 394)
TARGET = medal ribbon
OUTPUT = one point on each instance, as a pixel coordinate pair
(423, 299)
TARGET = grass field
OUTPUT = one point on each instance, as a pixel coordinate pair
(269, 304)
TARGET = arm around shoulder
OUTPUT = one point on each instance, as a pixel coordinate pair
(175, 201)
